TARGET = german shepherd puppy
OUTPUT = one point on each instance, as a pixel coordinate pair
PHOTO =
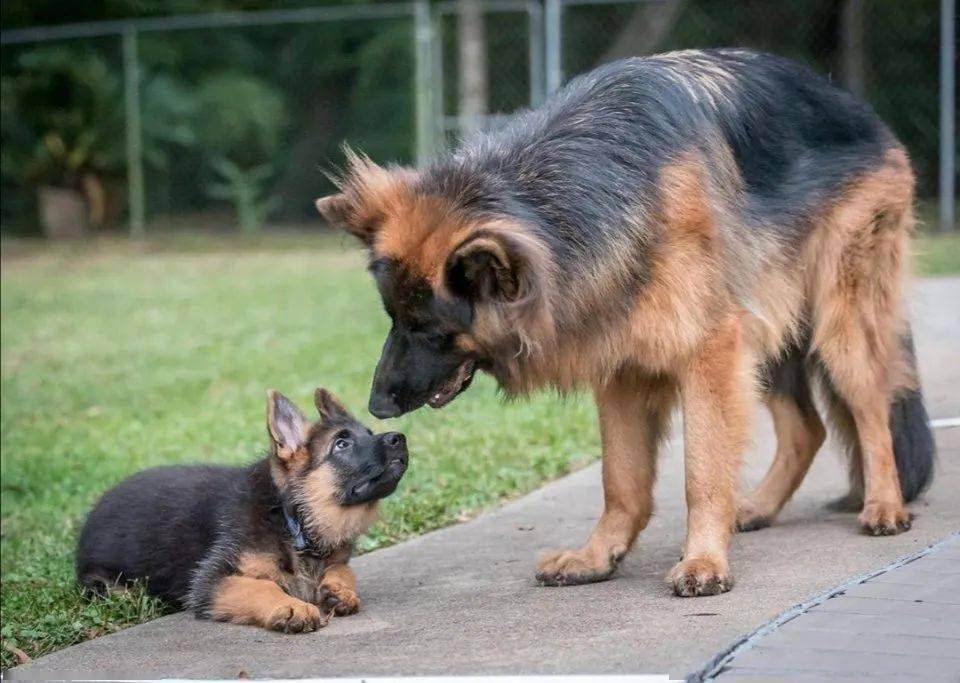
(689, 226)
(266, 544)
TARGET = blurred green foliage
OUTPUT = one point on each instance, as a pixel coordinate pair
(245, 190)
(287, 95)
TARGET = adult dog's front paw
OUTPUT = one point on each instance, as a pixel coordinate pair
(296, 617)
(884, 519)
(699, 576)
(573, 567)
(339, 599)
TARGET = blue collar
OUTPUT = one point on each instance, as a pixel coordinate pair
(301, 543)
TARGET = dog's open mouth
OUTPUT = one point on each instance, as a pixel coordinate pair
(450, 388)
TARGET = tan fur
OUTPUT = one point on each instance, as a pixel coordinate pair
(634, 410)
(799, 436)
(340, 581)
(246, 600)
(855, 294)
(716, 388)
(324, 515)
(259, 566)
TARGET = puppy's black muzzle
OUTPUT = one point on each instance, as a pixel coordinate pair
(380, 478)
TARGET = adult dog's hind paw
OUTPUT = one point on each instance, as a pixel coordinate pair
(884, 519)
(751, 518)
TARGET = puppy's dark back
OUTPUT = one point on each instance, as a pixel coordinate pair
(158, 524)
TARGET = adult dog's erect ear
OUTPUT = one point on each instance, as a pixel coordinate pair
(341, 212)
(484, 269)
(329, 406)
(286, 425)
(368, 193)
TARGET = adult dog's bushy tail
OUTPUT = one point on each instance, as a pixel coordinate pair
(913, 445)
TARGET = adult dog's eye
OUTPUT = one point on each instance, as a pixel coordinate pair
(341, 445)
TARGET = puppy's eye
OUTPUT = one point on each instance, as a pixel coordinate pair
(341, 444)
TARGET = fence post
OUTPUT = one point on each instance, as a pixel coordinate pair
(948, 115)
(423, 68)
(131, 97)
(535, 40)
(553, 39)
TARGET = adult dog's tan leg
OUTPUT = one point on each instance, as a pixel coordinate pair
(800, 433)
(633, 414)
(858, 326)
(715, 389)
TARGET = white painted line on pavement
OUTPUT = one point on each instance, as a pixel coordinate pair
(945, 423)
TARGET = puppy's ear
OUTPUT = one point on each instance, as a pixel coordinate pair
(483, 269)
(329, 406)
(286, 425)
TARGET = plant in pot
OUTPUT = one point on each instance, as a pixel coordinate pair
(63, 133)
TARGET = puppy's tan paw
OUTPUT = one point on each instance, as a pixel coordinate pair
(884, 519)
(700, 576)
(339, 599)
(573, 567)
(296, 617)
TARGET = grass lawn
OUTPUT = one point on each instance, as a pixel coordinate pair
(117, 357)
(937, 254)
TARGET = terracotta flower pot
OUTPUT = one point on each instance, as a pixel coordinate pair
(63, 212)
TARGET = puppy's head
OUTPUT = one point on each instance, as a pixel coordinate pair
(334, 469)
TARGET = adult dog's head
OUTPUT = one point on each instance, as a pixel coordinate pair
(463, 286)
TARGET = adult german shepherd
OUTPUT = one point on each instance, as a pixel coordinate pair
(696, 226)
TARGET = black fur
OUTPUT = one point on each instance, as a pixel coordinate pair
(182, 529)
(579, 167)
(159, 525)
(913, 445)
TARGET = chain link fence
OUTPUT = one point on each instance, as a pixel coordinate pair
(229, 119)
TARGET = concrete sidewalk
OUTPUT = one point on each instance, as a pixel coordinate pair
(909, 607)
(463, 600)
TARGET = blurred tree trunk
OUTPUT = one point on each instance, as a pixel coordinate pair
(472, 64)
(852, 47)
(645, 31)
(313, 150)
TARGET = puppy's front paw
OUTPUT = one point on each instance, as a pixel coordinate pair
(884, 519)
(339, 599)
(699, 576)
(296, 617)
(574, 567)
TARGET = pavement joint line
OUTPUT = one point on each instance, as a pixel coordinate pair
(716, 665)
(945, 423)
